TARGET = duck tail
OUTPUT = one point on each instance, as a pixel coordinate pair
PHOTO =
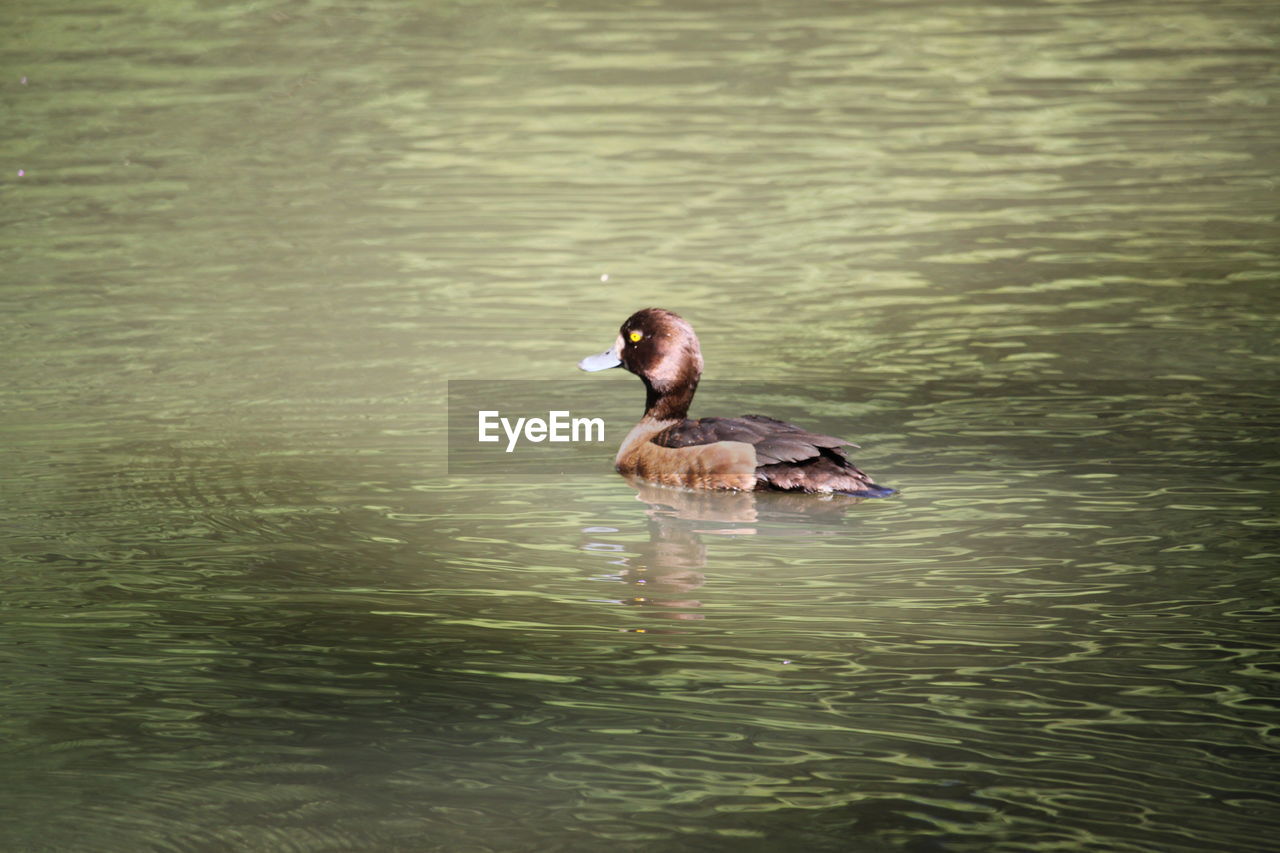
(871, 491)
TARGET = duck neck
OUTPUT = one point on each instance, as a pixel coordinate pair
(669, 402)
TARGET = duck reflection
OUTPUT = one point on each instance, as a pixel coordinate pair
(666, 569)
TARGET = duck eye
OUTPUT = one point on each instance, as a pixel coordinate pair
(635, 336)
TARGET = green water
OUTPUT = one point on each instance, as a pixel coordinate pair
(1026, 254)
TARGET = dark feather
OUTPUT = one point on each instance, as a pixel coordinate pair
(788, 457)
(763, 432)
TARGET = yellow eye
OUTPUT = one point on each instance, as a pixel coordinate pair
(635, 336)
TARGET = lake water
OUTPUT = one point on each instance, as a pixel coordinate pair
(1026, 254)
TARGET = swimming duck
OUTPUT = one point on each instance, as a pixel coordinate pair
(747, 453)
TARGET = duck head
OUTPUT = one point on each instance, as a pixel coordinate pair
(660, 347)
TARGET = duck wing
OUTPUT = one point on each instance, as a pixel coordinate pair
(774, 440)
(788, 457)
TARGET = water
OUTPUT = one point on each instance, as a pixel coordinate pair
(1024, 254)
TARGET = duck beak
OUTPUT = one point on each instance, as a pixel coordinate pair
(603, 361)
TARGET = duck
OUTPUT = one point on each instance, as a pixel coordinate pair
(747, 453)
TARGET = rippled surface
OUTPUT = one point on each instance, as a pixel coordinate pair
(1025, 254)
